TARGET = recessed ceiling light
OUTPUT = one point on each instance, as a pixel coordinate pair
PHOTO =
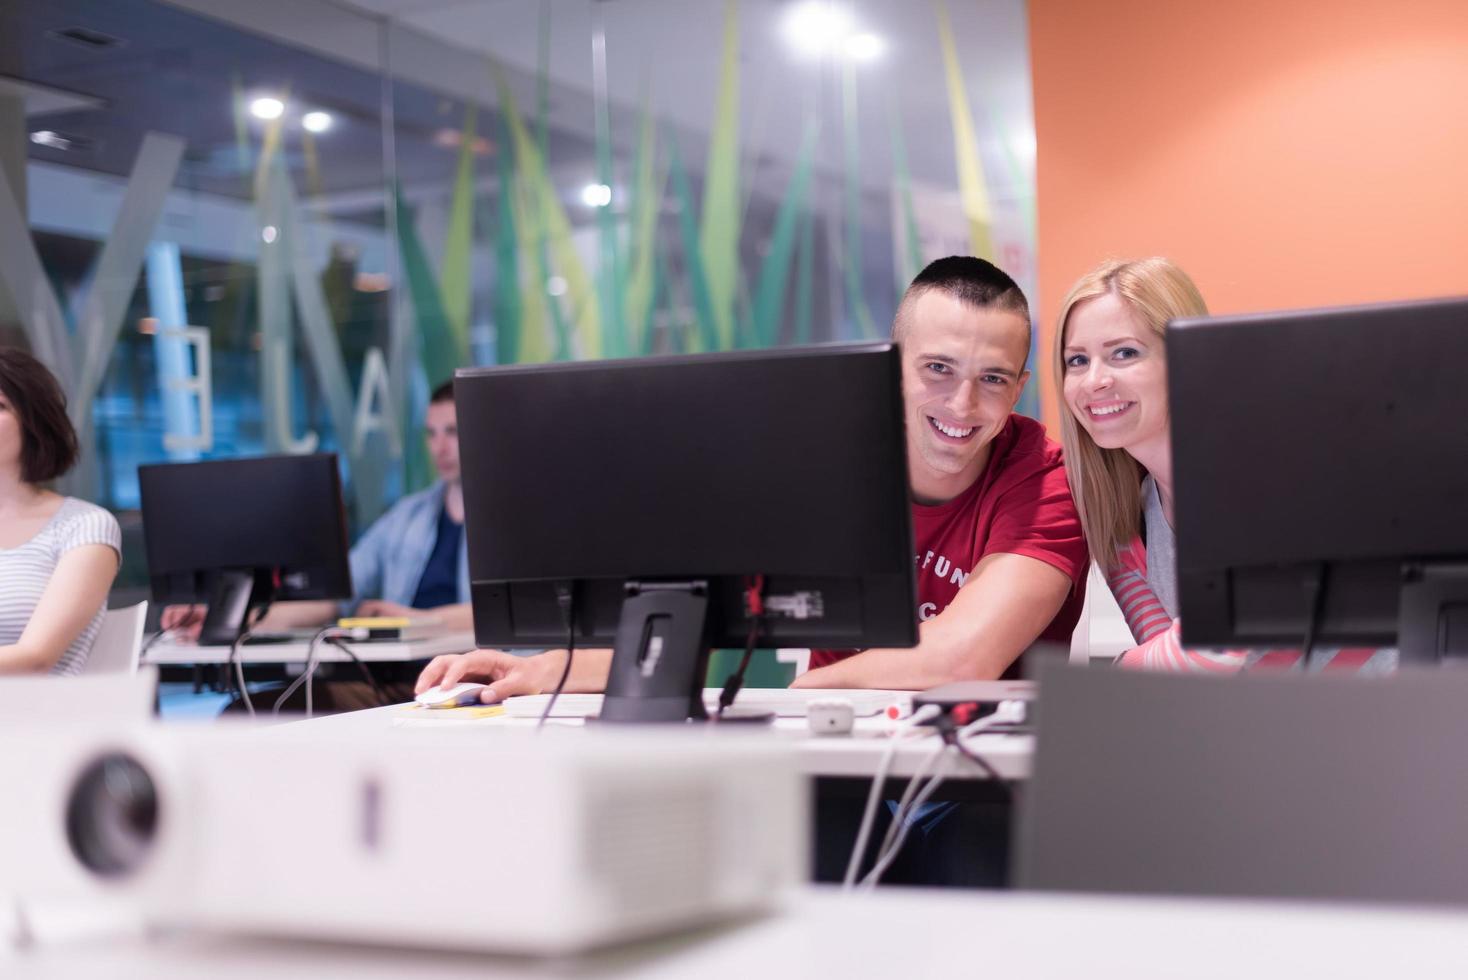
(814, 27)
(266, 107)
(316, 122)
(596, 195)
(865, 47)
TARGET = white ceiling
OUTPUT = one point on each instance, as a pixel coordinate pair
(669, 50)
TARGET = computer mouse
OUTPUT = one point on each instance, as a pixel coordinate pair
(459, 694)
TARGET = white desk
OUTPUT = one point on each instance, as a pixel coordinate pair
(376, 651)
(834, 756)
(893, 933)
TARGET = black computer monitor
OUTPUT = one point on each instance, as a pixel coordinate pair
(240, 533)
(1320, 463)
(653, 490)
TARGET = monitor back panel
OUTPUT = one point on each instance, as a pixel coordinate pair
(1254, 785)
(1337, 436)
(253, 513)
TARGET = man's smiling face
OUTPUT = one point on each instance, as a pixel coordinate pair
(963, 368)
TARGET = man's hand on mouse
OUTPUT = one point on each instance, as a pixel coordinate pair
(507, 676)
(182, 622)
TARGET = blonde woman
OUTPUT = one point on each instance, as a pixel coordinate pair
(1111, 369)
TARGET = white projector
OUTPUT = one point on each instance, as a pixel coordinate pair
(517, 842)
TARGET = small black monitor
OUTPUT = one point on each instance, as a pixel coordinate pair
(654, 491)
(1320, 466)
(234, 534)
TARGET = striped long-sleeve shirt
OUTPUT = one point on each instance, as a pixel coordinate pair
(1159, 636)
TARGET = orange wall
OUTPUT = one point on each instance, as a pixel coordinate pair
(1285, 153)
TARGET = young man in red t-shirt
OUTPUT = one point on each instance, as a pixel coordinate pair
(1001, 559)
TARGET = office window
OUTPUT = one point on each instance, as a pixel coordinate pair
(274, 228)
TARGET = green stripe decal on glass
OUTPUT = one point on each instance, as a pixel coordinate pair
(540, 193)
(706, 337)
(459, 244)
(719, 231)
(774, 274)
(975, 197)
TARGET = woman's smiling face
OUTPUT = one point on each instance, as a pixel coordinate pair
(1115, 374)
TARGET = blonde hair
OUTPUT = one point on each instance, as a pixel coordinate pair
(1106, 483)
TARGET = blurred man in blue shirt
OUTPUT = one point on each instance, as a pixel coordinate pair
(411, 561)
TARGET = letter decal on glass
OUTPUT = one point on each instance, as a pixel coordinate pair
(374, 388)
(197, 385)
(278, 411)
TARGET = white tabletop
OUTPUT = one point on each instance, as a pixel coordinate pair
(374, 651)
(856, 755)
(893, 933)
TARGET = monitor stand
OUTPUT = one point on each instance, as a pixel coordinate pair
(229, 605)
(661, 654)
(1432, 622)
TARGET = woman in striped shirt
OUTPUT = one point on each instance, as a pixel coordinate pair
(1111, 368)
(58, 555)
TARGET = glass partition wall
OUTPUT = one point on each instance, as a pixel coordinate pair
(275, 227)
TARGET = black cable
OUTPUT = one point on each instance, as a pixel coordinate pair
(341, 644)
(1315, 588)
(143, 653)
(754, 596)
(950, 737)
(566, 599)
(735, 682)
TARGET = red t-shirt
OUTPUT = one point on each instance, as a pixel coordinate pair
(1020, 505)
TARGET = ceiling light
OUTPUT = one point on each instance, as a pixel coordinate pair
(48, 138)
(316, 122)
(267, 107)
(816, 26)
(268, 234)
(865, 47)
(556, 286)
(596, 195)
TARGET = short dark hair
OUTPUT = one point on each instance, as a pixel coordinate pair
(47, 440)
(443, 393)
(972, 281)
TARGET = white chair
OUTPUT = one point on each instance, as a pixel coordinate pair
(119, 642)
(799, 657)
(1102, 632)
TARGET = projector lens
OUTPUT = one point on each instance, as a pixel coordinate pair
(112, 816)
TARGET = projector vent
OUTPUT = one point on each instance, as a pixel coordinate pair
(650, 848)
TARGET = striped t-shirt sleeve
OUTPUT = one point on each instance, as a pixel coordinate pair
(84, 524)
(90, 525)
(26, 572)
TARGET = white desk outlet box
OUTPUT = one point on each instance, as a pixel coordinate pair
(517, 842)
